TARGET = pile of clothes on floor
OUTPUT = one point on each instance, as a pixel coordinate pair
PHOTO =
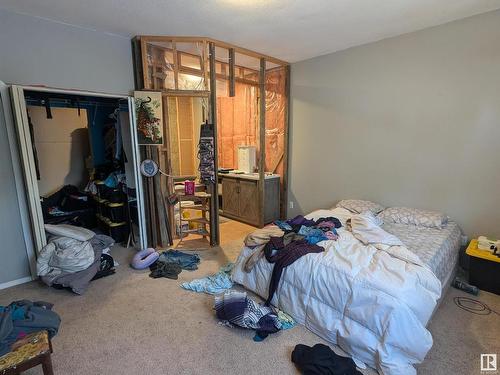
(73, 257)
(212, 284)
(21, 318)
(286, 241)
(170, 264)
(235, 308)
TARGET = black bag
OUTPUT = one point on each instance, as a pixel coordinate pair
(106, 268)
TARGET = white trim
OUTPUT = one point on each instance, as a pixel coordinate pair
(18, 178)
(23, 280)
(72, 92)
(28, 164)
(137, 175)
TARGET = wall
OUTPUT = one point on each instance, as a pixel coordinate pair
(62, 144)
(412, 120)
(37, 51)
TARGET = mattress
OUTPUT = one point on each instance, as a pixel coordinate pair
(437, 248)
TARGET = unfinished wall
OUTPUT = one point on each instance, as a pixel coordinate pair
(237, 123)
(412, 120)
(185, 115)
(62, 144)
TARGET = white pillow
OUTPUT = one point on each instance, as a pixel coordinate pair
(66, 230)
(358, 206)
(414, 216)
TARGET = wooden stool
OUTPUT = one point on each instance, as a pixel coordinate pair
(26, 353)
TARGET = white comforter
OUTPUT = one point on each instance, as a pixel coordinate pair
(370, 301)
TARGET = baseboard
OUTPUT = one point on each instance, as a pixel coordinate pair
(8, 284)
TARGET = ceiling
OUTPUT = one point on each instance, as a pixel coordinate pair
(291, 30)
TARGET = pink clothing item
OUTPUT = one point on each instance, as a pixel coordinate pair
(331, 236)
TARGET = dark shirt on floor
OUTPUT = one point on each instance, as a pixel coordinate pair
(321, 360)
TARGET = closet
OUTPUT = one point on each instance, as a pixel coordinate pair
(80, 159)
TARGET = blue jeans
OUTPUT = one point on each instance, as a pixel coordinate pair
(186, 261)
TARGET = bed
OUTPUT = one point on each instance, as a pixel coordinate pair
(438, 248)
(373, 304)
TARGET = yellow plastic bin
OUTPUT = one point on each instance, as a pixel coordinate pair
(484, 268)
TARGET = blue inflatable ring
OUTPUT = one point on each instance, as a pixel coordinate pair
(144, 258)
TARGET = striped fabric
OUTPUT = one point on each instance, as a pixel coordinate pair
(236, 308)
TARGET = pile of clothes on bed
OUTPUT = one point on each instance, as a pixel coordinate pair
(286, 241)
(20, 318)
(73, 257)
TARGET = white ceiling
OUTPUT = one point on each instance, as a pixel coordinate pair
(292, 30)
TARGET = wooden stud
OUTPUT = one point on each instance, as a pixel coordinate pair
(145, 76)
(176, 66)
(232, 87)
(163, 237)
(191, 93)
(167, 165)
(262, 137)
(214, 201)
(137, 63)
(284, 188)
(205, 66)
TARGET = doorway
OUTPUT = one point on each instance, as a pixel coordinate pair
(185, 115)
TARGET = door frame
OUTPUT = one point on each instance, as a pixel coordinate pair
(27, 164)
(166, 149)
(18, 177)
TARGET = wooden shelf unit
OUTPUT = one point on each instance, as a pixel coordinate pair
(202, 203)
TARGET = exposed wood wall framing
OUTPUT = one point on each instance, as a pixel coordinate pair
(190, 93)
(137, 63)
(214, 188)
(205, 65)
(284, 187)
(168, 69)
(167, 184)
(262, 137)
(218, 43)
(176, 65)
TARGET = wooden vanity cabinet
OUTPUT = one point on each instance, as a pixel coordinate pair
(240, 199)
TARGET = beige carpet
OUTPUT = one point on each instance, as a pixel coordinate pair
(129, 323)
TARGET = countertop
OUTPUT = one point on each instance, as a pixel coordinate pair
(247, 176)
